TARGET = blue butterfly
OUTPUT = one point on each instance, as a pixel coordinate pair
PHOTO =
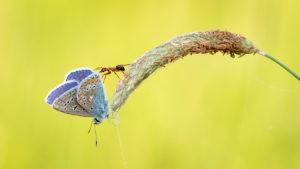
(82, 93)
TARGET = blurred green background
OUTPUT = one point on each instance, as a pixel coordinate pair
(205, 111)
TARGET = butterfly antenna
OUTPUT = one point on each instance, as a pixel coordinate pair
(90, 127)
(95, 134)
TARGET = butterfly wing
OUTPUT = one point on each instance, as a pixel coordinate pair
(78, 74)
(88, 90)
(63, 98)
(91, 96)
(59, 90)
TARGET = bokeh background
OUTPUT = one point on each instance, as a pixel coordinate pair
(205, 111)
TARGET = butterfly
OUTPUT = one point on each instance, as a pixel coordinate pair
(82, 93)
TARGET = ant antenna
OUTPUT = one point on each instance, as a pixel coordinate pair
(125, 64)
(98, 68)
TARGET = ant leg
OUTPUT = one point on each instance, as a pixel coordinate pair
(104, 77)
(116, 75)
(105, 74)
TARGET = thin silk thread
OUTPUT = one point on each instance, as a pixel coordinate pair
(121, 147)
(274, 87)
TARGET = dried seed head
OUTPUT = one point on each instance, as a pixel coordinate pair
(192, 43)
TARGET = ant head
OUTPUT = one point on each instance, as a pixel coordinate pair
(103, 69)
(120, 67)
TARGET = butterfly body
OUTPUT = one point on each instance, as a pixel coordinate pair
(82, 94)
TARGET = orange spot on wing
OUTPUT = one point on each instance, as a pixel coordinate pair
(93, 80)
(89, 82)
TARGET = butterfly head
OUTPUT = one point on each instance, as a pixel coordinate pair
(97, 121)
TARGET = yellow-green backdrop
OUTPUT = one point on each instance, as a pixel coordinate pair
(205, 111)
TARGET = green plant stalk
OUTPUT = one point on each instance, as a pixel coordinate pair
(280, 64)
(178, 47)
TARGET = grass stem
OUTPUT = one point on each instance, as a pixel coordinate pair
(280, 64)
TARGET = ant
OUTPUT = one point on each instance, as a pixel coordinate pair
(108, 70)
